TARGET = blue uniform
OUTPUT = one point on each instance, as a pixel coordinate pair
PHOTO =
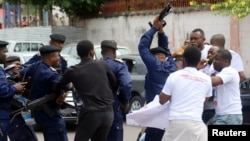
(7, 92)
(123, 77)
(157, 73)
(43, 78)
(37, 57)
(18, 129)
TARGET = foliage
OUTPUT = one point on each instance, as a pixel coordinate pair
(236, 8)
(80, 8)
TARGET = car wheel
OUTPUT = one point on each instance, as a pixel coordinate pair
(135, 103)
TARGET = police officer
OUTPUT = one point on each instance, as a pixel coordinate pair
(122, 96)
(160, 64)
(43, 76)
(56, 40)
(7, 92)
(18, 129)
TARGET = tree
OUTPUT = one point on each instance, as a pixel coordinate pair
(235, 8)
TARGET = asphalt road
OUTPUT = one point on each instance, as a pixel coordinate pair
(130, 133)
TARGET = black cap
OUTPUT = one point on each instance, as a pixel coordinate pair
(58, 37)
(109, 44)
(12, 59)
(48, 49)
(158, 50)
(3, 44)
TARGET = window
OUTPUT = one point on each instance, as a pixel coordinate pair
(26, 47)
(18, 47)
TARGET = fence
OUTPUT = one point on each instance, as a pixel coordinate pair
(138, 5)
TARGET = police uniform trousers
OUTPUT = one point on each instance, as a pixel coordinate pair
(20, 131)
(154, 134)
(116, 130)
(4, 123)
(53, 128)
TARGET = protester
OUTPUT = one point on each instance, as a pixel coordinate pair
(160, 64)
(205, 67)
(197, 38)
(187, 100)
(94, 82)
(228, 107)
(236, 63)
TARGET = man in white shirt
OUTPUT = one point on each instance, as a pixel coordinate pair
(236, 62)
(187, 90)
(197, 38)
(228, 107)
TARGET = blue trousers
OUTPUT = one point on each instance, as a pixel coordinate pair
(53, 128)
(154, 134)
(19, 131)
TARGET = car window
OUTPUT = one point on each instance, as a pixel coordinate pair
(34, 47)
(66, 49)
(18, 47)
(98, 54)
(123, 51)
(131, 64)
(26, 47)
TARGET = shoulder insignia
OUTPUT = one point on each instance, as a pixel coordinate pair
(119, 60)
(53, 69)
(63, 58)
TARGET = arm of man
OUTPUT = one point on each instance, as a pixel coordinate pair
(164, 98)
(62, 83)
(216, 80)
(125, 86)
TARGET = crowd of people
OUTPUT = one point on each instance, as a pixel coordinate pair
(200, 81)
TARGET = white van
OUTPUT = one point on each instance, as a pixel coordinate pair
(24, 46)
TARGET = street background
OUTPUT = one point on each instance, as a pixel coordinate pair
(130, 133)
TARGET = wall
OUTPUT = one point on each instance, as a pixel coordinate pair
(26, 33)
(127, 30)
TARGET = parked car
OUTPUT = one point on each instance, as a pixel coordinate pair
(137, 71)
(245, 99)
(71, 50)
(23, 46)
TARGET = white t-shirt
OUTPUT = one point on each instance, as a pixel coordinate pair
(204, 52)
(188, 89)
(236, 61)
(228, 94)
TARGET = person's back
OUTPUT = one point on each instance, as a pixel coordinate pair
(94, 82)
(188, 96)
(186, 90)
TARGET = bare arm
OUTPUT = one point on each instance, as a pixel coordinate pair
(164, 98)
(216, 80)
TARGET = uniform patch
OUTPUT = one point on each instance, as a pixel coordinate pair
(119, 60)
(53, 69)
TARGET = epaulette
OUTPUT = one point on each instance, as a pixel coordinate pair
(53, 69)
(64, 58)
(119, 60)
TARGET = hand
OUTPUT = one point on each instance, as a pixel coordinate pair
(158, 24)
(60, 99)
(125, 108)
(202, 64)
(20, 87)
